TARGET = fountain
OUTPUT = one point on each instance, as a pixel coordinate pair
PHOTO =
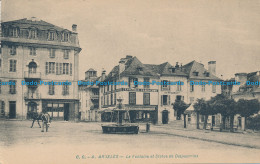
(119, 127)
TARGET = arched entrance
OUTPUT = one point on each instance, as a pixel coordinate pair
(165, 116)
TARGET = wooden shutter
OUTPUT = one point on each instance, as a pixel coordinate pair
(169, 100)
(11, 66)
(57, 68)
(161, 100)
(46, 68)
(70, 69)
(14, 66)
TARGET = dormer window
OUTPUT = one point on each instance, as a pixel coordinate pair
(172, 69)
(140, 68)
(196, 73)
(33, 34)
(14, 32)
(65, 37)
(51, 35)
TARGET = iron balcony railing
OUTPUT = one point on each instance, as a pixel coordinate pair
(32, 75)
(32, 96)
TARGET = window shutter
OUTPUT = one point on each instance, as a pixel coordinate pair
(11, 52)
(169, 100)
(14, 66)
(161, 85)
(11, 66)
(49, 89)
(53, 53)
(50, 53)
(46, 68)
(57, 68)
(70, 69)
(161, 100)
(169, 85)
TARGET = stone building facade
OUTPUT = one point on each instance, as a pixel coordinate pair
(37, 51)
(153, 103)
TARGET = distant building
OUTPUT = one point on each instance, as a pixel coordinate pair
(247, 91)
(32, 51)
(243, 91)
(89, 97)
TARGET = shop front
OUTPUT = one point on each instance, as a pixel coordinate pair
(63, 110)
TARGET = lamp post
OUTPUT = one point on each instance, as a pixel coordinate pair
(120, 112)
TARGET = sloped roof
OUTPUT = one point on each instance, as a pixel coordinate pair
(194, 66)
(131, 68)
(132, 64)
(40, 24)
(164, 69)
(91, 70)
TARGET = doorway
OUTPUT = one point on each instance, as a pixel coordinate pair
(12, 109)
(66, 111)
(165, 116)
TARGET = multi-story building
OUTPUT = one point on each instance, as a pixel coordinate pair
(89, 96)
(198, 74)
(37, 51)
(140, 100)
(169, 83)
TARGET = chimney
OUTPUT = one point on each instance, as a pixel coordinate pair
(74, 28)
(177, 65)
(121, 66)
(103, 76)
(212, 67)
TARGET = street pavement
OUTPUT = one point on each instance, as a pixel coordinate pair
(69, 142)
(247, 138)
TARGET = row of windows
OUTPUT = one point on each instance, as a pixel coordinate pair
(12, 88)
(203, 88)
(33, 52)
(164, 87)
(61, 68)
(33, 34)
(111, 99)
(65, 90)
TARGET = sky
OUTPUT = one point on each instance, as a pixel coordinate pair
(155, 31)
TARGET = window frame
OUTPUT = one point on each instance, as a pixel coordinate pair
(132, 100)
(144, 99)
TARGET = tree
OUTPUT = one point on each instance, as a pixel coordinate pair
(200, 106)
(180, 106)
(247, 108)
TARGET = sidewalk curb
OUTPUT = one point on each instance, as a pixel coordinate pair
(208, 140)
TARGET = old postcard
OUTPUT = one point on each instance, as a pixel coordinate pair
(129, 81)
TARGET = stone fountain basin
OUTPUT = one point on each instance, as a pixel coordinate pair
(120, 129)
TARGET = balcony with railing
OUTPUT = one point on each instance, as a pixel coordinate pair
(32, 96)
(93, 96)
(32, 75)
